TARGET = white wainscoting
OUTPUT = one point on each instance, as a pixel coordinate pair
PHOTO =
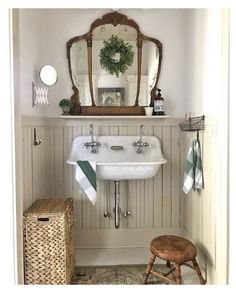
(154, 203)
(157, 205)
(199, 217)
(202, 216)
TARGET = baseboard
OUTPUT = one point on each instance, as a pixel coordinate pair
(208, 270)
(112, 238)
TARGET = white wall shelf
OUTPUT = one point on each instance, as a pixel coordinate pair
(113, 117)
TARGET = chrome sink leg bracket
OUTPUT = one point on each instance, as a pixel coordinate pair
(117, 202)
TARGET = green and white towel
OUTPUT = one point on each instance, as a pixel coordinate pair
(193, 173)
(86, 176)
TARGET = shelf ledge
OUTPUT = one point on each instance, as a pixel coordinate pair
(112, 117)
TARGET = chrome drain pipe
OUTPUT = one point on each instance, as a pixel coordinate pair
(117, 203)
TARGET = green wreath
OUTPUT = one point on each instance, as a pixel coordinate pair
(116, 56)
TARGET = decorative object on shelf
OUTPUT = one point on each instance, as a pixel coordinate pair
(111, 96)
(158, 104)
(116, 56)
(48, 77)
(148, 111)
(65, 105)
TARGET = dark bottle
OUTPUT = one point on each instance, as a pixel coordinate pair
(158, 104)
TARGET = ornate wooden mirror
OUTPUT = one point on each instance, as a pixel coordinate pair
(114, 68)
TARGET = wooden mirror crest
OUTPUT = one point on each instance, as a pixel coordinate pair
(114, 68)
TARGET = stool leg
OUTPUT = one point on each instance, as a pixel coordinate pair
(149, 268)
(178, 274)
(198, 271)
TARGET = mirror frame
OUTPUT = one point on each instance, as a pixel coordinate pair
(113, 18)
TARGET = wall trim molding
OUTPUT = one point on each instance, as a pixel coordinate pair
(37, 121)
(121, 120)
(112, 238)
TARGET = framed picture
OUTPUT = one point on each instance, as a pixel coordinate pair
(111, 96)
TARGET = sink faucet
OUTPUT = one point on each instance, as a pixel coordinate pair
(92, 143)
(140, 143)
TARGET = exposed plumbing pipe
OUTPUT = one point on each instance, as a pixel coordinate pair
(107, 213)
(127, 212)
(117, 203)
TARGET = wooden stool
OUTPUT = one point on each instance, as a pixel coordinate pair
(173, 249)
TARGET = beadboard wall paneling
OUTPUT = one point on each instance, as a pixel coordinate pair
(198, 208)
(27, 166)
(153, 203)
(157, 205)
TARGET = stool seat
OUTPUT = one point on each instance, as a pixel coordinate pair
(173, 249)
(176, 251)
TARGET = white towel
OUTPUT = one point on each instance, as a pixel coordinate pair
(193, 174)
(86, 176)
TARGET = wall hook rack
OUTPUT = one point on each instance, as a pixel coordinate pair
(193, 124)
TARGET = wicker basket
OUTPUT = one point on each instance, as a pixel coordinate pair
(49, 256)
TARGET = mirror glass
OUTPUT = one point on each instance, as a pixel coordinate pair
(48, 75)
(109, 89)
(149, 70)
(79, 71)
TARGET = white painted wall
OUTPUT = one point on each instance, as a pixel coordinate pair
(28, 58)
(43, 33)
(204, 62)
(207, 93)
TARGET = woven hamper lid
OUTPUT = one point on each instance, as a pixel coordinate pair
(49, 206)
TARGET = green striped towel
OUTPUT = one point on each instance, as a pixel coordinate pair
(86, 176)
(193, 173)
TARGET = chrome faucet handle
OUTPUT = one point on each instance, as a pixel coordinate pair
(85, 144)
(140, 144)
(146, 144)
(93, 145)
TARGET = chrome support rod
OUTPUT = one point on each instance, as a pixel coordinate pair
(117, 203)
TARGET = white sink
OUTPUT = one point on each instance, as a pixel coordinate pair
(122, 164)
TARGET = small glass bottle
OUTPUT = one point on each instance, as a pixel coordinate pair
(158, 104)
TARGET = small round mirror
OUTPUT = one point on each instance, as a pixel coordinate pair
(48, 75)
